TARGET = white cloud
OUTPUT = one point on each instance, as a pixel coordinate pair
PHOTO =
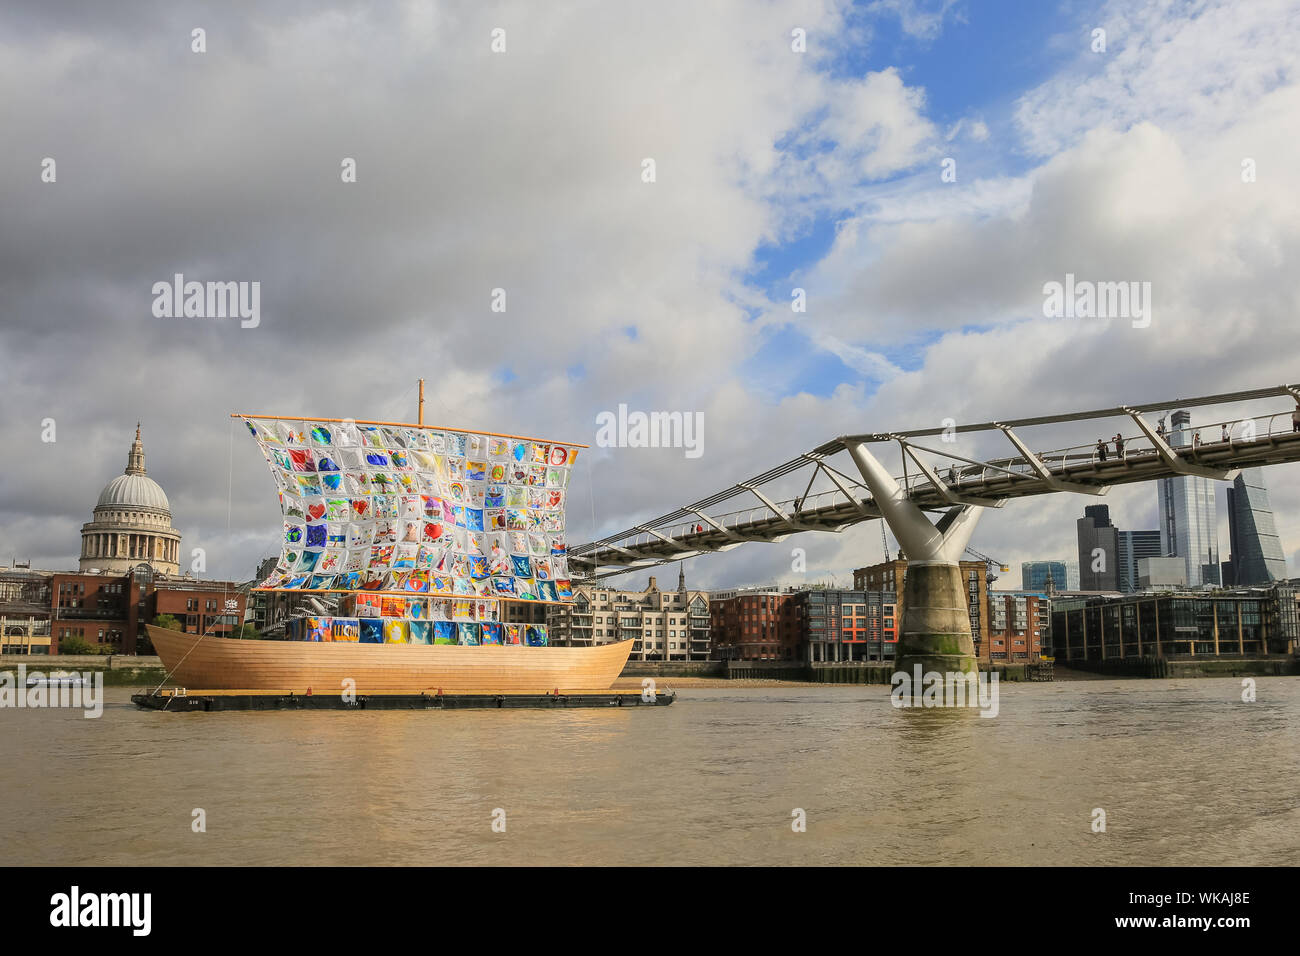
(475, 171)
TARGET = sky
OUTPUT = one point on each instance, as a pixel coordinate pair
(795, 145)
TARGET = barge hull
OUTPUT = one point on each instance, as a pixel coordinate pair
(327, 669)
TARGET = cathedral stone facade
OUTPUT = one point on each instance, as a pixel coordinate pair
(132, 523)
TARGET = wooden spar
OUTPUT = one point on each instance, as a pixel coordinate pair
(364, 421)
(421, 403)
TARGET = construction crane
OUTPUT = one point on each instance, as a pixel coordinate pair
(884, 542)
(991, 577)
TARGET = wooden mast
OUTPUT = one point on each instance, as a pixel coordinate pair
(421, 403)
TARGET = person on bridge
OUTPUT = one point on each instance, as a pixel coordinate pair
(1224, 434)
(1101, 450)
(1119, 445)
(1295, 418)
(1160, 429)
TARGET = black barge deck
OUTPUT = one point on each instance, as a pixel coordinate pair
(208, 701)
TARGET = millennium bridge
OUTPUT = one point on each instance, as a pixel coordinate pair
(847, 484)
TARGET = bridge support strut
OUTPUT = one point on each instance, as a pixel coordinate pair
(935, 631)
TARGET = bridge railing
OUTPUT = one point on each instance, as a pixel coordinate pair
(964, 475)
(1135, 446)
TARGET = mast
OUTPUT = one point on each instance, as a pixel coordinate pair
(422, 402)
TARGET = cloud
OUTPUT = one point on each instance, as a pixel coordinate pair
(919, 19)
(475, 171)
(522, 171)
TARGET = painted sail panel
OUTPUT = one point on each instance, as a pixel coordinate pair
(418, 510)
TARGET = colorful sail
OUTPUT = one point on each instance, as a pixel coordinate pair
(371, 507)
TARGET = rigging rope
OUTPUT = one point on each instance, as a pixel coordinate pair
(225, 585)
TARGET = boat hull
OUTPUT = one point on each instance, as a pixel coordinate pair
(214, 663)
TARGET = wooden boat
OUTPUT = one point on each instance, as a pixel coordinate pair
(427, 534)
(216, 663)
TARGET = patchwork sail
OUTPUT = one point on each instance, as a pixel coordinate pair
(405, 508)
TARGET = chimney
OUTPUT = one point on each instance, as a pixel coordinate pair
(652, 586)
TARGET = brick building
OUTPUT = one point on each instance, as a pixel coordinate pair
(758, 624)
(1019, 627)
(108, 611)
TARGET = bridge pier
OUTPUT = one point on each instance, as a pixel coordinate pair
(935, 627)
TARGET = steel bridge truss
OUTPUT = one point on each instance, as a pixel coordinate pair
(1257, 437)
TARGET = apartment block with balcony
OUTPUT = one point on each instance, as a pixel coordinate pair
(666, 625)
(1019, 625)
(845, 626)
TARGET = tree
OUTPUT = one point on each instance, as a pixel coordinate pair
(247, 632)
(167, 621)
(75, 645)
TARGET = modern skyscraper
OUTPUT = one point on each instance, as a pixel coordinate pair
(1072, 574)
(1133, 547)
(1189, 524)
(1034, 575)
(1256, 550)
(1098, 550)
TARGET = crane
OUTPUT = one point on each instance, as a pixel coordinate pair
(991, 564)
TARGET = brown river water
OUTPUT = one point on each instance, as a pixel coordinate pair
(1186, 772)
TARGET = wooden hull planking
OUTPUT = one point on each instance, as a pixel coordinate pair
(214, 663)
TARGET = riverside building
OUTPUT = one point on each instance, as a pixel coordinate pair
(666, 625)
(756, 624)
(1019, 627)
(839, 626)
(1246, 622)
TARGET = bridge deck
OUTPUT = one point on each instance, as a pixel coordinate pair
(1255, 439)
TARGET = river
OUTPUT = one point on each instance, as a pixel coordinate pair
(1186, 773)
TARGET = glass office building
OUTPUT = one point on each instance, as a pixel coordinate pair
(1133, 546)
(1189, 523)
(1256, 549)
(1034, 575)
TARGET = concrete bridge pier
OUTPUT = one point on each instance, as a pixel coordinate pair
(935, 628)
